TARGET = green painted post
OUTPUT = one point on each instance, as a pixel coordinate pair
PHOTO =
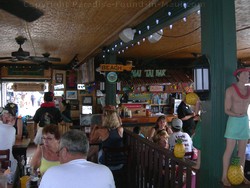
(218, 34)
(110, 88)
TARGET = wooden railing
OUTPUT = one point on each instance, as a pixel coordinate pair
(151, 166)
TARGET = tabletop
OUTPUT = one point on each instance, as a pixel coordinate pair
(22, 143)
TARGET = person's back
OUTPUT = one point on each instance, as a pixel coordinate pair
(113, 140)
(7, 137)
(186, 140)
(177, 133)
(8, 133)
(47, 114)
(79, 173)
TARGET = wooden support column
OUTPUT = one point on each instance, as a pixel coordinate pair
(219, 44)
(110, 88)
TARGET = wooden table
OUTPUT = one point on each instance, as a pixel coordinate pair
(20, 148)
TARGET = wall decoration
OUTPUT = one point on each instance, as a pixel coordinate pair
(71, 94)
(71, 78)
(59, 78)
(74, 104)
(87, 100)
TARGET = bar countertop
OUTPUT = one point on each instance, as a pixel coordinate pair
(128, 121)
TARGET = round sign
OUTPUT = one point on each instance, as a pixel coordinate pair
(112, 76)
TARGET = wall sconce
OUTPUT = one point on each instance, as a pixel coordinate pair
(202, 77)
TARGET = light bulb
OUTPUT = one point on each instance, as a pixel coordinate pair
(185, 5)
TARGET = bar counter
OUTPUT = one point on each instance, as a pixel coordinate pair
(144, 120)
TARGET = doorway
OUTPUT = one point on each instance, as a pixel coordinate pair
(28, 96)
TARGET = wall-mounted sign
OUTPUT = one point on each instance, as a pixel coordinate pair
(149, 73)
(115, 67)
(81, 87)
(28, 87)
(58, 87)
(156, 88)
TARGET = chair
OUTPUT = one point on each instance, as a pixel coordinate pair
(63, 128)
(5, 158)
(118, 158)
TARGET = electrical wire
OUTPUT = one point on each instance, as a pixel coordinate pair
(178, 36)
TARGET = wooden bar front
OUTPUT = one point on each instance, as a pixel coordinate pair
(145, 122)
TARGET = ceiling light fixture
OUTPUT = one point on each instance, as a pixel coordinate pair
(155, 37)
(127, 35)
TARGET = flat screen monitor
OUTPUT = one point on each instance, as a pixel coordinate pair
(86, 109)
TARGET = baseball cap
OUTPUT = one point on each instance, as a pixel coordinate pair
(12, 108)
(241, 70)
(177, 123)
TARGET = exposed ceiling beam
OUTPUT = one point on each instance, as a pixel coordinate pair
(177, 9)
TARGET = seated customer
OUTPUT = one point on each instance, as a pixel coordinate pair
(161, 138)
(75, 171)
(177, 133)
(45, 155)
(137, 130)
(8, 134)
(161, 124)
(110, 133)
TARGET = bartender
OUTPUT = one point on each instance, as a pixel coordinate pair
(185, 113)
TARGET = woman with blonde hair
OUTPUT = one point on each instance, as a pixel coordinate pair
(110, 134)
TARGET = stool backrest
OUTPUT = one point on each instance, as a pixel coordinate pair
(5, 158)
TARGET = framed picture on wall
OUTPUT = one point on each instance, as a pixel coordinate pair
(71, 79)
(74, 104)
(71, 95)
(87, 100)
(59, 78)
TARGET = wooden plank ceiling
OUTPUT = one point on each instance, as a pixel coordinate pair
(84, 27)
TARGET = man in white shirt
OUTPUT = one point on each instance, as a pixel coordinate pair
(8, 134)
(75, 171)
(177, 133)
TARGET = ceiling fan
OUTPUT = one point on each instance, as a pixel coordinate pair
(45, 62)
(20, 54)
(44, 59)
(21, 9)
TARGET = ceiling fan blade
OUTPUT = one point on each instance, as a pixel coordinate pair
(43, 59)
(5, 58)
(55, 59)
(21, 9)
